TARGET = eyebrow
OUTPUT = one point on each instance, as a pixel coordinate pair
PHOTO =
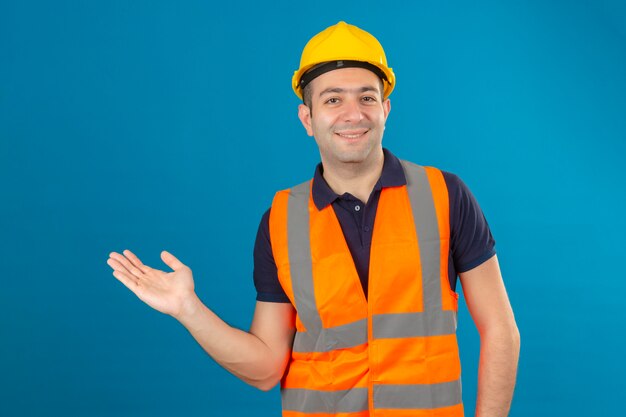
(340, 90)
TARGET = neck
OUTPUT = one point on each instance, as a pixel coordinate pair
(357, 179)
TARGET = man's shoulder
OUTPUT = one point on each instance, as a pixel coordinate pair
(448, 176)
(452, 179)
(299, 187)
(454, 183)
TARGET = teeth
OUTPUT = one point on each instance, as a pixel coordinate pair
(350, 136)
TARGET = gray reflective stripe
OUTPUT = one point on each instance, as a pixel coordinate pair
(313, 401)
(385, 326)
(388, 326)
(339, 337)
(417, 396)
(299, 251)
(316, 338)
(434, 321)
(427, 228)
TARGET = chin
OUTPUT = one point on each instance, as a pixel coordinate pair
(354, 157)
(357, 154)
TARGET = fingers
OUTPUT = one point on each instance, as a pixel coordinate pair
(136, 262)
(130, 281)
(120, 263)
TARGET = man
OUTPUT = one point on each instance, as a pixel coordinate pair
(356, 269)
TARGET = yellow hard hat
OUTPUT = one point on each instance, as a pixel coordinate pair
(342, 46)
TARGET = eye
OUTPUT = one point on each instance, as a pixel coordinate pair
(332, 100)
(369, 99)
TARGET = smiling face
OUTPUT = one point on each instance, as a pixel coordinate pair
(349, 117)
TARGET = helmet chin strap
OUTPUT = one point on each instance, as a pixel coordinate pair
(325, 67)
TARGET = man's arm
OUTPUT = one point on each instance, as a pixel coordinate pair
(491, 311)
(258, 357)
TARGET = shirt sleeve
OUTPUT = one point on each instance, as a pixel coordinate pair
(268, 287)
(471, 241)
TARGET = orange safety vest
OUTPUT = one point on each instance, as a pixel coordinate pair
(395, 353)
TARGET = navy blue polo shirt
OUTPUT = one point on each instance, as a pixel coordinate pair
(471, 242)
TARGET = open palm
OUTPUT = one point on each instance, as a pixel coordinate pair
(163, 291)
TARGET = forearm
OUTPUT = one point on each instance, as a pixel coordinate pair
(241, 353)
(499, 354)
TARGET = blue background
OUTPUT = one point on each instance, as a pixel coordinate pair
(154, 125)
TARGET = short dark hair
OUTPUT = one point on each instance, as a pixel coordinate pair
(306, 95)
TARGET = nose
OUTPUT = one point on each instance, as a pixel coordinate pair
(352, 111)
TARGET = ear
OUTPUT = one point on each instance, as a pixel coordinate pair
(304, 114)
(386, 108)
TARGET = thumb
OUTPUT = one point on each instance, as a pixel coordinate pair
(171, 261)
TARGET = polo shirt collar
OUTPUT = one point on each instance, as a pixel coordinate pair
(391, 176)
